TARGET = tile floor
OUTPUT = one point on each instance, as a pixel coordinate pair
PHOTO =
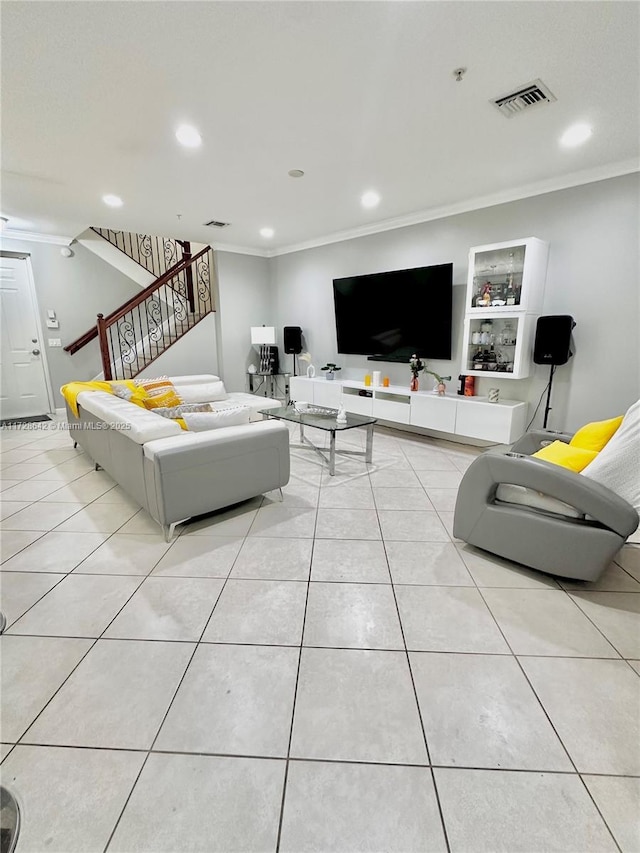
(329, 673)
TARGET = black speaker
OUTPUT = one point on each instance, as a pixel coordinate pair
(553, 339)
(292, 340)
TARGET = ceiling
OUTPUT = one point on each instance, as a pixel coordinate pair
(360, 95)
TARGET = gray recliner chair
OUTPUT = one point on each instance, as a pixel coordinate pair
(573, 529)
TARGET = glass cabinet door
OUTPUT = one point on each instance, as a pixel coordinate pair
(507, 277)
(498, 346)
(497, 278)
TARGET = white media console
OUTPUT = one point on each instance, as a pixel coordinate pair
(470, 417)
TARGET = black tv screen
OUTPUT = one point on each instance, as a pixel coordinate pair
(391, 315)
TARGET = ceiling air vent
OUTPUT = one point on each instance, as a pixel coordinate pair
(524, 98)
(215, 223)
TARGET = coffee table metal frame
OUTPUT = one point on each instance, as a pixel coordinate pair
(322, 418)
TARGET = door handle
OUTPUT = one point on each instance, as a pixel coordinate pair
(35, 352)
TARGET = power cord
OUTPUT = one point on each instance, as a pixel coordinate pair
(546, 387)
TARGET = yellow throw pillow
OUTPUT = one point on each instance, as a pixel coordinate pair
(154, 386)
(594, 436)
(574, 458)
(166, 399)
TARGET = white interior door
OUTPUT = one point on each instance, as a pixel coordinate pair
(23, 391)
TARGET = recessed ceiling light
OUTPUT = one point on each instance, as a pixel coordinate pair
(188, 136)
(295, 173)
(112, 200)
(370, 199)
(267, 232)
(575, 135)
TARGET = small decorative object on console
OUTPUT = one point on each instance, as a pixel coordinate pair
(331, 368)
(306, 357)
(341, 417)
(416, 364)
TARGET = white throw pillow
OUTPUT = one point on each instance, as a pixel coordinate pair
(617, 465)
(202, 392)
(199, 421)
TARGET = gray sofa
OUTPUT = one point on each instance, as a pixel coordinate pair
(539, 514)
(174, 474)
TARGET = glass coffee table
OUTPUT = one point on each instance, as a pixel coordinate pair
(319, 417)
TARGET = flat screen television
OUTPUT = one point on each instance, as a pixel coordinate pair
(388, 316)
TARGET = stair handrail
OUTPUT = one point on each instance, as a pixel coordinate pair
(114, 316)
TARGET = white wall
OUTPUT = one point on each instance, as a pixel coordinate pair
(593, 274)
(193, 353)
(244, 299)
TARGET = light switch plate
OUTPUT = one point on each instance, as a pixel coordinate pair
(55, 342)
(53, 324)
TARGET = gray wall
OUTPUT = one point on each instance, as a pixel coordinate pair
(195, 352)
(76, 288)
(244, 300)
(592, 274)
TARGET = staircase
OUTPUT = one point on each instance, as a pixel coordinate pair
(134, 335)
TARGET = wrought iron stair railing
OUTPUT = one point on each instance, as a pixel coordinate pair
(157, 255)
(145, 326)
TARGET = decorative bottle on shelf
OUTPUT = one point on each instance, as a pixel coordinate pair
(492, 359)
(486, 295)
(512, 297)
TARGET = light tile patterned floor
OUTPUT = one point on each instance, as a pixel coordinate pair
(330, 673)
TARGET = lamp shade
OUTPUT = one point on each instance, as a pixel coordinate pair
(263, 335)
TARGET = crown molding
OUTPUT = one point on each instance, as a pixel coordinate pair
(242, 250)
(587, 176)
(32, 237)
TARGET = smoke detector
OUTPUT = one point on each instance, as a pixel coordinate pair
(215, 223)
(523, 98)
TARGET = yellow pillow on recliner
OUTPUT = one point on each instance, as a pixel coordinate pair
(594, 436)
(574, 458)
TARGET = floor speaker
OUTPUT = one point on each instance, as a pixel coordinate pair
(293, 340)
(553, 339)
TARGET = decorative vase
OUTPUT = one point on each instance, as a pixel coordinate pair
(311, 371)
(441, 389)
(414, 383)
(330, 374)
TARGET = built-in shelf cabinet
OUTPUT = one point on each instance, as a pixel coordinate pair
(471, 417)
(505, 289)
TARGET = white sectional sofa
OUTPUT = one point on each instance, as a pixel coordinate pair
(175, 474)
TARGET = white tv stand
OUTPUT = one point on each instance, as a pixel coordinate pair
(469, 417)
